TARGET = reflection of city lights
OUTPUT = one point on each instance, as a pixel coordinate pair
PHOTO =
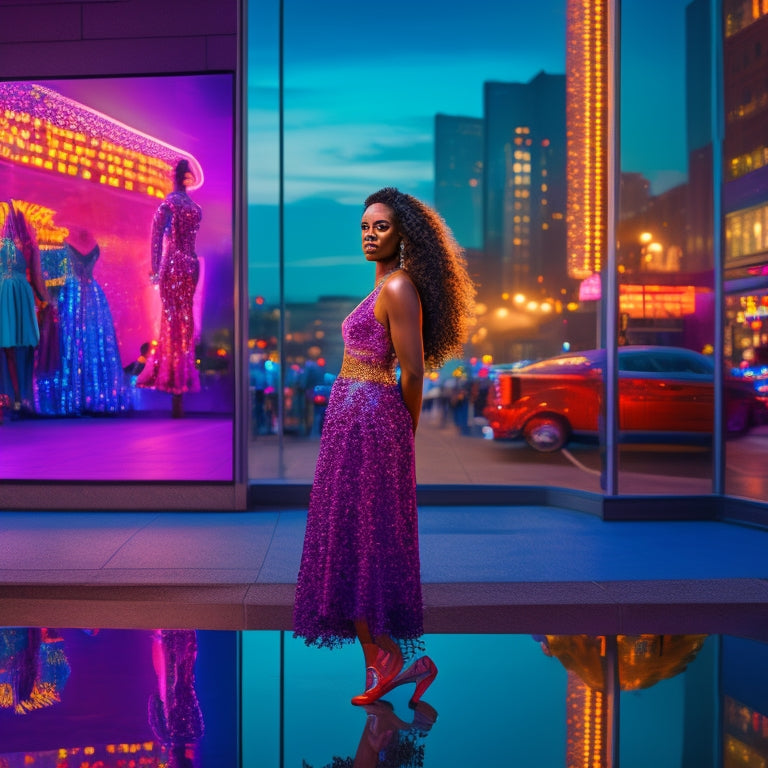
(502, 312)
(42, 128)
(587, 147)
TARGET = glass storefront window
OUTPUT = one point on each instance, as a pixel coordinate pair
(491, 145)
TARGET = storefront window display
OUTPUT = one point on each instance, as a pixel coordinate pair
(125, 186)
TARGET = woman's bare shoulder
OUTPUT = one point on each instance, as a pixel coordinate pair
(400, 284)
(398, 297)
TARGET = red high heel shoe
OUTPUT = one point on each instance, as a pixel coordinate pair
(423, 671)
(379, 677)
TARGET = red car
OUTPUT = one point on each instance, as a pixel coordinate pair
(662, 390)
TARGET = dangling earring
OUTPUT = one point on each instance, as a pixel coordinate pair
(402, 255)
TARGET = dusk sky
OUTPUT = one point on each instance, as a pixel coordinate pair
(362, 88)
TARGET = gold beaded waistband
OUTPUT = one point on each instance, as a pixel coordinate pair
(353, 368)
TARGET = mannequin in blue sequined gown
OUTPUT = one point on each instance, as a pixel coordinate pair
(91, 376)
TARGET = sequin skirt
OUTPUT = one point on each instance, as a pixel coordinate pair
(361, 550)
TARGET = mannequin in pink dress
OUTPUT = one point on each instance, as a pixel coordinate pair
(175, 269)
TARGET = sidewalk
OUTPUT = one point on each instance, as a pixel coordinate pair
(518, 569)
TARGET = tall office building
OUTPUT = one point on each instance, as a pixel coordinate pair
(459, 176)
(698, 113)
(524, 184)
(745, 176)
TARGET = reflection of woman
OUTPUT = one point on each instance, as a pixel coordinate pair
(91, 376)
(359, 575)
(176, 269)
(174, 712)
(18, 321)
(389, 742)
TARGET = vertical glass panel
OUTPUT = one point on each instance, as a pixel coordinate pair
(745, 257)
(264, 246)
(482, 137)
(666, 300)
(744, 702)
(117, 279)
(669, 688)
(261, 712)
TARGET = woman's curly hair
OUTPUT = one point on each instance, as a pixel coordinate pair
(435, 262)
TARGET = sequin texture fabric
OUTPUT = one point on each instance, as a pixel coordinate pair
(172, 367)
(18, 322)
(90, 377)
(361, 551)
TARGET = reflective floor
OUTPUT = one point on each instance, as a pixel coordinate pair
(102, 698)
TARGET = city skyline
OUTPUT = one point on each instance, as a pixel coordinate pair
(354, 122)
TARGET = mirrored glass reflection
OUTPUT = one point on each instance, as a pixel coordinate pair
(74, 698)
(388, 740)
(514, 699)
(101, 698)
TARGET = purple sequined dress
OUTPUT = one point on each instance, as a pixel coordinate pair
(361, 550)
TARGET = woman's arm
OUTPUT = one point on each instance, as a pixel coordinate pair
(159, 223)
(399, 310)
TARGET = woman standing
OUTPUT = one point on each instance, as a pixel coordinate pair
(360, 573)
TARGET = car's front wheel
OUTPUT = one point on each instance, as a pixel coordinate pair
(546, 432)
